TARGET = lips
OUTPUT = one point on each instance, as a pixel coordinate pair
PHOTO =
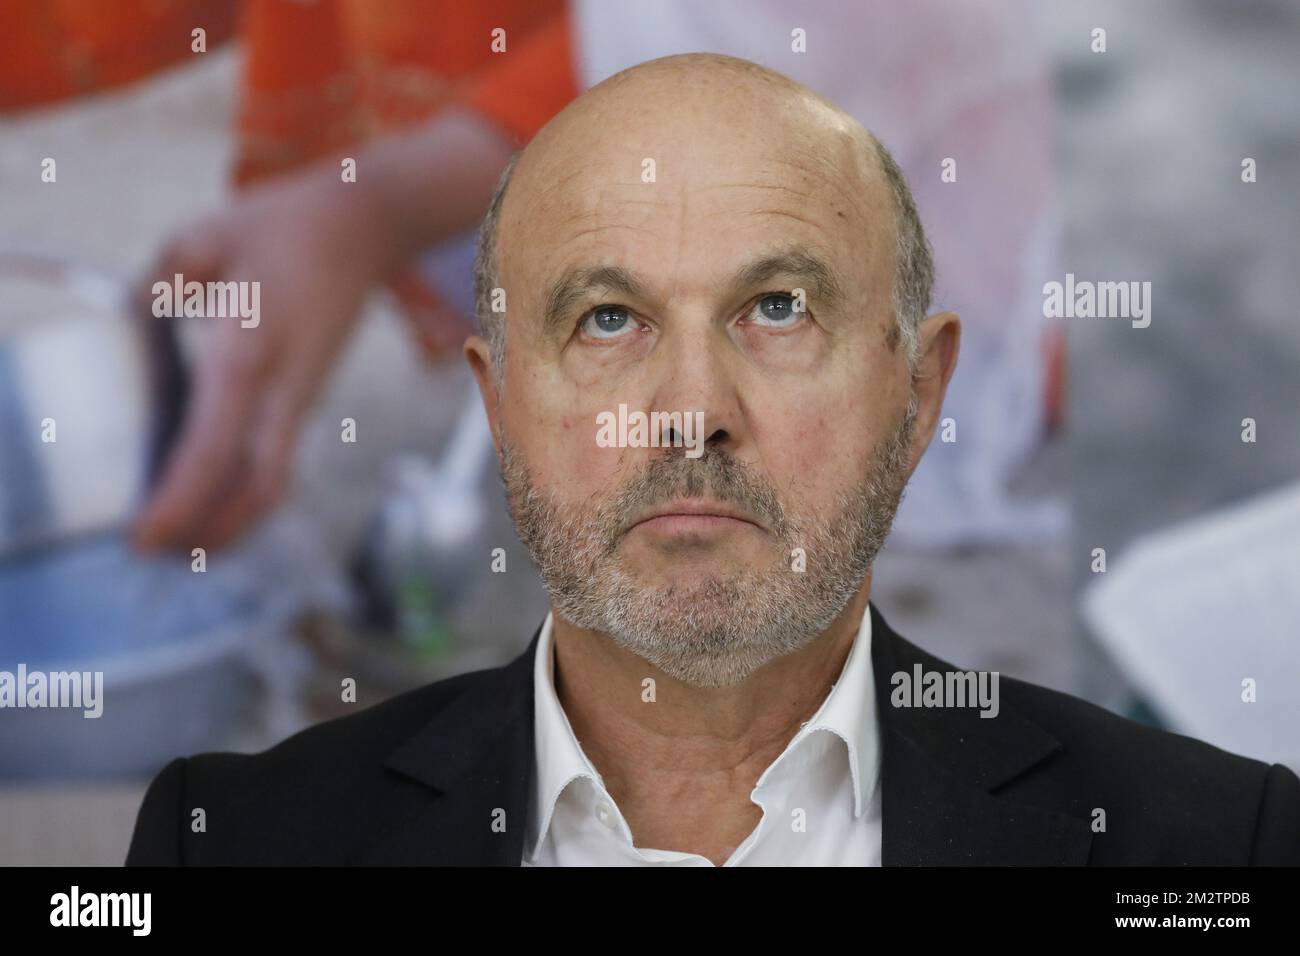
(695, 511)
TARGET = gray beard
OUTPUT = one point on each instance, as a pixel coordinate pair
(717, 629)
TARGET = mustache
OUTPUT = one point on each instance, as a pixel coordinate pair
(715, 474)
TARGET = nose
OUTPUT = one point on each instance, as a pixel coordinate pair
(698, 380)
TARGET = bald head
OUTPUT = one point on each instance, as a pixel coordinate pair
(706, 103)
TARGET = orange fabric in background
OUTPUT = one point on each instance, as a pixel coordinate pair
(522, 91)
(317, 76)
(321, 76)
(52, 50)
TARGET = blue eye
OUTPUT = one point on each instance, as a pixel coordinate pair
(608, 322)
(776, 310)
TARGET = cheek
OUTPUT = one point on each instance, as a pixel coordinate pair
(557, 437)
(805, 447)
(814, 445)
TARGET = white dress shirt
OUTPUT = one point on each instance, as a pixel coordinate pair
(820, 798)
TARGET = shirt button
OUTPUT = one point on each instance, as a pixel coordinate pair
(605, 814)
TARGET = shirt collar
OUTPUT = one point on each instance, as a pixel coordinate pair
(849, 712)
(560, 759)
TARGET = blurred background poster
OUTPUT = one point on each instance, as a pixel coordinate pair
(1117, 498)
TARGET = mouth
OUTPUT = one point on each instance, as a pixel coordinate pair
(694, 515)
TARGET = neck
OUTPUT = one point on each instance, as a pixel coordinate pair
(681, 768)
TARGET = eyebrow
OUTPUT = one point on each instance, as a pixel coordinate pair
(792, 262)
(575, 284)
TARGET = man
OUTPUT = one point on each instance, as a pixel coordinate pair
(707, 245)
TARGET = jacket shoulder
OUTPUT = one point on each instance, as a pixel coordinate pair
(303, 800)
(1152, 796)
(1165, 796)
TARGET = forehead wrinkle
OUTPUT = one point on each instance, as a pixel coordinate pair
(609, 226)
(853, 196)
(771, 186)
(785, 213)
(598, 209)
(808, 199)
(588, 215)
(866, 241)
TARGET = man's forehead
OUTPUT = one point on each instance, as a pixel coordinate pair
(606, 211)
(656, 173)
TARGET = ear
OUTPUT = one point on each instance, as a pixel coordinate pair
(940, 339)
(479, 357)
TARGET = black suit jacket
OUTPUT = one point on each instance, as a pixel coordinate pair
(418, 778)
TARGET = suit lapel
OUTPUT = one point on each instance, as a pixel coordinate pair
(942, 768)
(462, 784)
